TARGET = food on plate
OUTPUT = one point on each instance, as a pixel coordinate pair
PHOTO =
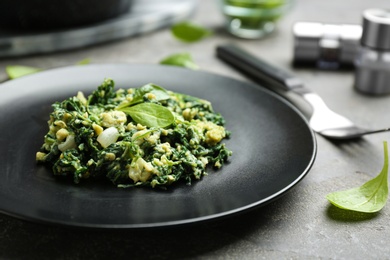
(146, 136)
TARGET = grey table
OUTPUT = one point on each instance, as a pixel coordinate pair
(301, 224)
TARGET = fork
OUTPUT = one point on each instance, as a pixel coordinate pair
(322, 120)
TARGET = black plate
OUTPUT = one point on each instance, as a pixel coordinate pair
(273, 149)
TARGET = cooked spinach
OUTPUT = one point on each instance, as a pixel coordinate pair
(145, 136)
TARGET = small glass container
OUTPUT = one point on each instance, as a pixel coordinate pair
(372, 75)
(253, 19)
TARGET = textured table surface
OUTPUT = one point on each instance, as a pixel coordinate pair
(300, 225)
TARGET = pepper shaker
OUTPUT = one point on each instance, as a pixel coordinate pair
(372, 74)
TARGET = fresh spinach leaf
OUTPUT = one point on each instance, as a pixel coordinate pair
(189, 32)
(180, 59)
(150, 114)
(84, 61)
(17, 71)
(159, 94)
(370, 197)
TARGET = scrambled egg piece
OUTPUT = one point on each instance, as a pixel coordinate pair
(213, 133)
(140, 170)
(113, 118)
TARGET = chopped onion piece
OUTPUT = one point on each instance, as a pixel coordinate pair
(108, 136)
(68, 144)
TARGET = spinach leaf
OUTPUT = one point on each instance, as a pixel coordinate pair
(180, 59)
(150, 114)
(84, 61)
(158, 92)
(189, 32)
(17, 71)
(370, 197)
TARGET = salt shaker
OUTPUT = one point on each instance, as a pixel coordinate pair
(372, 64)
(326, 46)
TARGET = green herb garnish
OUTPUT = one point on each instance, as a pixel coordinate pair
(370, 197)
(159, 94)
(150, 114)
(17, 71)
(189, 32)
(180, 59)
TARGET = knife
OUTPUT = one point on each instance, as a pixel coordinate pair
(258, 69)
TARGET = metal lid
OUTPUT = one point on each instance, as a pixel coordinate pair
(376, 29)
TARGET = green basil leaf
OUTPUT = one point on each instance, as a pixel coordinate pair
(150, 114)
(17, 71)
(189, 32)
(370, 197)
(180, 59)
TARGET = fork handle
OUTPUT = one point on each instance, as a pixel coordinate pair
(258, 69)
